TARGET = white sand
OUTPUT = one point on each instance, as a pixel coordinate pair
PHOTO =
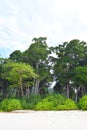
(46, 120)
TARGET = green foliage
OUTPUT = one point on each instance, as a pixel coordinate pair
(14, 71)
(50, 102)
(37, 56)
(69, 55)
(44, 105)
(0, 106)
(16, 56)
(82, 104)
(68, 105)
(56, 102)
(11, 104)
(17, 73)
(65, 63)
(37, 51)
(30, 102)
(80, 75)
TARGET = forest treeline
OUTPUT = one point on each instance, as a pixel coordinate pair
(33, 71)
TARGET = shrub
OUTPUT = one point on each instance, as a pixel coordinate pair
(56, 98)
(50, 102)
(24, 104)
(44, 106)
(30, 102)
(4, 104)
(82, 104)
(11, 104)
(0, 107)
(68, 105)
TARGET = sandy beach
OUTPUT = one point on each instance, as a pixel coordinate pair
(43, 120)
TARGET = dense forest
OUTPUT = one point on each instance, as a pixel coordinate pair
(33, 71)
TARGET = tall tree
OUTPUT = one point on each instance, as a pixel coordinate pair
(3, 82)
(16, 73)
(69, 56)
(37, 56)
(80, 79)
(16, 56)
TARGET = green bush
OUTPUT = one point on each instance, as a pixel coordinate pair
(4, 104)
(0, 107)
(68, 105)
(30, 102)
(56, 98)
(24, 104)
(50, 102)
(11, 104)
(44, 106)
(82, 104)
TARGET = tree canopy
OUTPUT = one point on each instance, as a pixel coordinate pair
(34, 70)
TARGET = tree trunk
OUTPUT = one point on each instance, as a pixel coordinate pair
(32, 90)
(36, 90)
(17, 93)
(27, 92)
(67, 90)
(82, 90)
(36, 81)
(22, 93)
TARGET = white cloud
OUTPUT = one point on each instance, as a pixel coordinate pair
(59, 20)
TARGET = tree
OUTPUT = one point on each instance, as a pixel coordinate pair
(37, 56)
(69, 56)
(80, 79)
(16, 56)
(16, 73)
(3, 82)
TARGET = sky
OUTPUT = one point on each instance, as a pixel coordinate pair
(58, 20)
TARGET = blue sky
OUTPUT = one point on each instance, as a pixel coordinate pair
(58, 20)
